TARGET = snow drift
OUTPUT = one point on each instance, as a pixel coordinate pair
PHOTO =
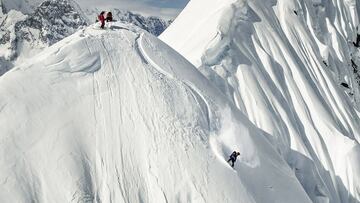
(281, 62)
(118, 116)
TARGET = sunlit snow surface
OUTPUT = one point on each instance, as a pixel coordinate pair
(117, 116)
(281, 63)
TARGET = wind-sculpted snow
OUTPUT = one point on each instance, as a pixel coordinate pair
(291, 68)
(118, 116)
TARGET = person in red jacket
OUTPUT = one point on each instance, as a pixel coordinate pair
(101, 18)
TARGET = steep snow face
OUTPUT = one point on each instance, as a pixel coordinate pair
(118, 116)
(281, 62)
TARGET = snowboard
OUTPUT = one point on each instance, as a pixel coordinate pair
(229, 162)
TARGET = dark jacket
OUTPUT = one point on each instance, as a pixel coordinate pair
(234, 155)
(109, 17)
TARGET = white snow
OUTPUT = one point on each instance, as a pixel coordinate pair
(118, 116)
(267, 57)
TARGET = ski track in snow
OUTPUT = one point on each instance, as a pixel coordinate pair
(191, 87)
(146, 57)
(220, 145)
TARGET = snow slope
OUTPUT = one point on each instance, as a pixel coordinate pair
(118, 116)
(281, 63)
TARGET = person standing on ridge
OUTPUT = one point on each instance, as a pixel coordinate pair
(109, 17)
(101, 18)
(233, 157)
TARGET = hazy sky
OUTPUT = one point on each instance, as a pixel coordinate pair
(164, 8)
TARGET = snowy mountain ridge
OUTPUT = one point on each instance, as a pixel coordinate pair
(131, 121)
(152, 24)
(22, 36)
(49, 23)
(117, 115)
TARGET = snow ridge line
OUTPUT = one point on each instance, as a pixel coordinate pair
(139, 49)
(192, 88)
(148, 60)
(197, 96)
(195, 93)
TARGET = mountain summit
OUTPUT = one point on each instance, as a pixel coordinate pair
(23, 34)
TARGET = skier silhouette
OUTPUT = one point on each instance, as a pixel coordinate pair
(233, 157)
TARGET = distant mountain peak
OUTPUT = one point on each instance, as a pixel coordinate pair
(56, 19)
(22, 36)
(50, 22)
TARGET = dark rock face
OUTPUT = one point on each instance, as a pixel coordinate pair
(5, 37)
(345, 85)
(356, 71)
(54, 19)
(357, 43)
(49, 23)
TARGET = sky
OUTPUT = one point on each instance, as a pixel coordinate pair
(165, 8)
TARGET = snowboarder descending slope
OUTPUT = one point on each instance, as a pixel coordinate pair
(101, 18)
(233, 157)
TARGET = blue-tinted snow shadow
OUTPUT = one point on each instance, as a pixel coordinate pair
(5, 66)
(313, 178)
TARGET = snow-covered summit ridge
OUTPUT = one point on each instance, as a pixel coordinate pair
(291, 67)
(154, 25)
(23, 34)
(118, 116)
